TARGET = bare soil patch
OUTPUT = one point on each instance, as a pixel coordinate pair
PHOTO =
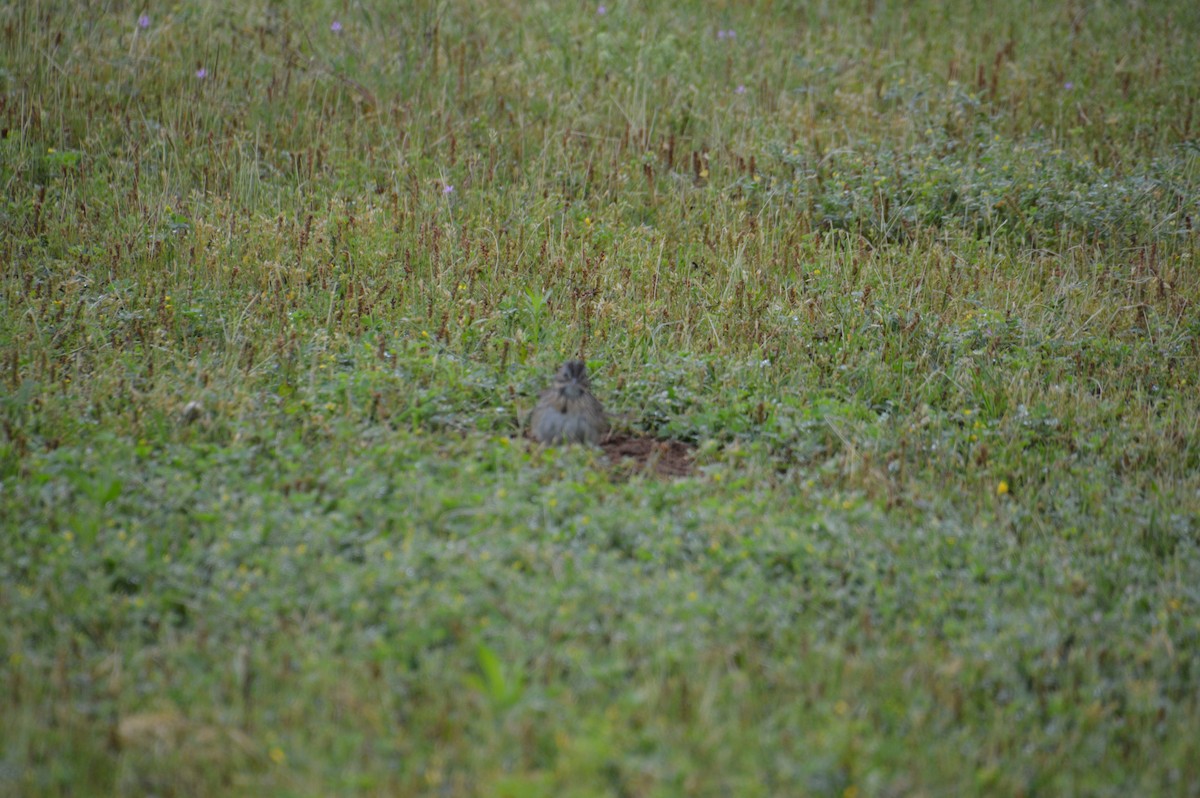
(636, 455)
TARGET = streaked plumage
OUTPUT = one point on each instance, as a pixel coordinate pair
(567, 412)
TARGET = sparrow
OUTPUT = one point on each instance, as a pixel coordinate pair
(567, 412)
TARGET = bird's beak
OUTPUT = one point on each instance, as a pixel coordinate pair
(573, 389)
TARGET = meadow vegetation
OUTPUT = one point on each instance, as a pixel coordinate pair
(916, 282)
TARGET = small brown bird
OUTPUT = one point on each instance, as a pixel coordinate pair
(567, 411)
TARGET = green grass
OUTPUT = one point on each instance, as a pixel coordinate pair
(919, 281)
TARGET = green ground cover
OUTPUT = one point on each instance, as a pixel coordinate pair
(917, 281)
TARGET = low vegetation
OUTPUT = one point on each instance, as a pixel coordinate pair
(906, 293)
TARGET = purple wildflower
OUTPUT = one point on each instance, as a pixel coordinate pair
(448, 189)
(201, 73)
(740, 89)
(144, 21)
(336, 27)
(602, 10)
(1068, 85)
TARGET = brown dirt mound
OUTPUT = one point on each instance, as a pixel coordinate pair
(637, 455)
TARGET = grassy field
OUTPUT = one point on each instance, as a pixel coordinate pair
(916, 283)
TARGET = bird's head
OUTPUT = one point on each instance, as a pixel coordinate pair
(572, 379)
